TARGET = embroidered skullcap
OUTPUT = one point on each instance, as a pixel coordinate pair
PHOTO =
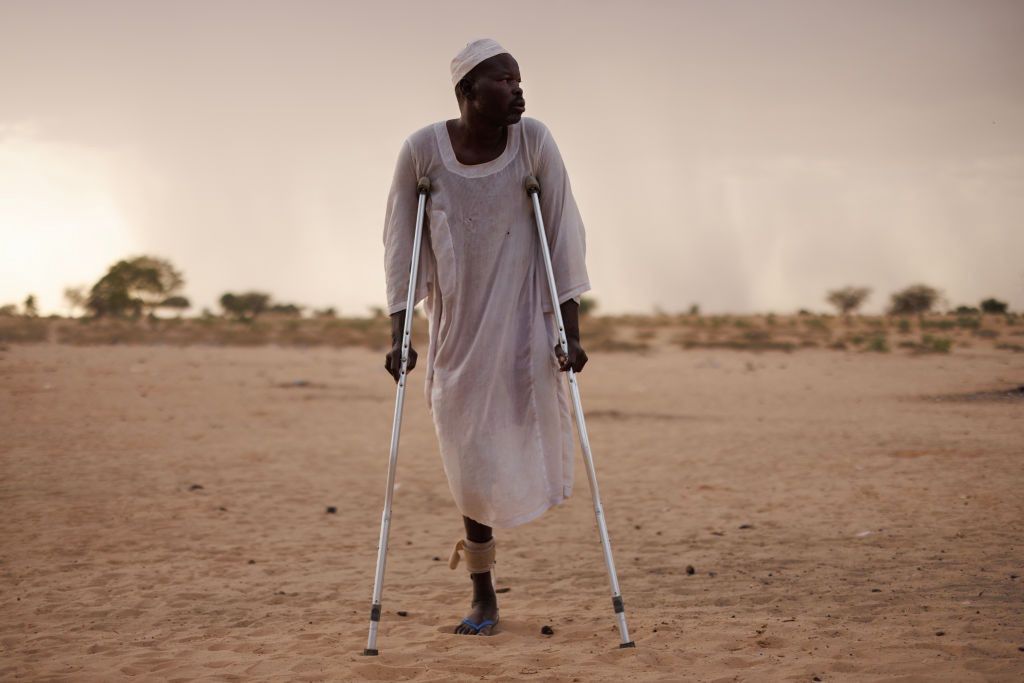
(471, 55)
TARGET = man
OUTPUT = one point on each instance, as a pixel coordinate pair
(500, 408)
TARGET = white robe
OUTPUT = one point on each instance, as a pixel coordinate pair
(499, 403)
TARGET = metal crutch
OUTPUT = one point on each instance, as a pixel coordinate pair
(533, 189)
(423, 188)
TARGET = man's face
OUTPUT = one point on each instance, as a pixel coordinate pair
(496, 92)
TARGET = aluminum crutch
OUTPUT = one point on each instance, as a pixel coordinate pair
(423, 189)
(533, 189)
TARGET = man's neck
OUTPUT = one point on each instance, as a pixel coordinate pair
(475, 141)
(476, 134)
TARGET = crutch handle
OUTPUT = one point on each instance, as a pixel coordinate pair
(532, 186)
(423, 185)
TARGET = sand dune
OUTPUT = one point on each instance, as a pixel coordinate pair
(847, 516)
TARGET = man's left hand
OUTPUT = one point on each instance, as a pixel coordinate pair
(577, 356)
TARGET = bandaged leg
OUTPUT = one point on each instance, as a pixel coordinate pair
(479, 557)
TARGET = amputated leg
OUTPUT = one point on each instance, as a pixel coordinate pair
(478, 550)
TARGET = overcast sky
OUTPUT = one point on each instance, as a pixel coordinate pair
(744, 156)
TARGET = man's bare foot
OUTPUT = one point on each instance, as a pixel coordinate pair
(485, 607)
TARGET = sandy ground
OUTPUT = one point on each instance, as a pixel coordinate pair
(840, 525)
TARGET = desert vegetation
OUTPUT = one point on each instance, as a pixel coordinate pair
(141, 300)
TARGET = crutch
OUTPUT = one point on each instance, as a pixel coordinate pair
(533, 189)
(423, 188)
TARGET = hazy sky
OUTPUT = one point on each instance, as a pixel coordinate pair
(746, 156)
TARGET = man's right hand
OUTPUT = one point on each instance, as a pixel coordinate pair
(393, 361)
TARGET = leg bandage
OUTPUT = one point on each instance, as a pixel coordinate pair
(479, 557)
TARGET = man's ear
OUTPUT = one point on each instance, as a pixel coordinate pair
(465, 87)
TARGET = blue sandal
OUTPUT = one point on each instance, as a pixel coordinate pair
(476, 627)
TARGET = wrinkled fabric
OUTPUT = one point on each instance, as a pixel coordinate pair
(499, 403)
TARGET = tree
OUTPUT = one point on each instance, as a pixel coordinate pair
(587, 305)
(993, 306)
(31, 310)
(848, 299)
(914, 300)
(247, 305)
(76, 297)
(134, 286)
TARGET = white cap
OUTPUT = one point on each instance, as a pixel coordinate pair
(471, 55)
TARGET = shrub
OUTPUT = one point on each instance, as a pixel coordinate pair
(930, 344)
(878, 344)
(993, 306)
(244, 306)
(914, 300)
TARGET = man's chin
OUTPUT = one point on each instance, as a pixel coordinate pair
(514, 117)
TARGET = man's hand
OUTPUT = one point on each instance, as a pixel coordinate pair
(393, 361)
(577, 356)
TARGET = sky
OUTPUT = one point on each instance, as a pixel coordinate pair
(741, 156)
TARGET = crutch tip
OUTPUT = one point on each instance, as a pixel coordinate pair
(370, 652)
(423, 185)
(532, 185)
(629, 644)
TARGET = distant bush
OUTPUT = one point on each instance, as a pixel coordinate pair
(245, 306)
(587, 305)
(878, 344)
(848, 299)
(904, 326)
(993, 306)
(914, 300)
(285, 309)
(932, 344)
(966, 310)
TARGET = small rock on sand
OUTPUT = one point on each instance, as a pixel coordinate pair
(547, 630)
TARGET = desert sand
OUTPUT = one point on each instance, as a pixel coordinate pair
(847, 516)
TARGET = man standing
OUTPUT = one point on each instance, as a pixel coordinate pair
(500, 408)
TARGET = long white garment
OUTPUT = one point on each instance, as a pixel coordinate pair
(499, 403)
